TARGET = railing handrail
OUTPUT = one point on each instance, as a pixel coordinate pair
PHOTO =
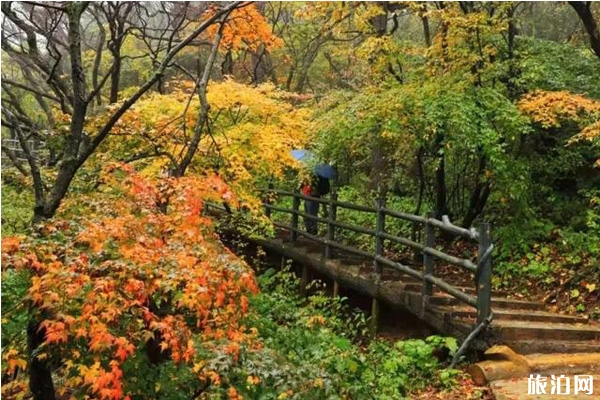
(14, 145)
(443, 224)
(482, 269)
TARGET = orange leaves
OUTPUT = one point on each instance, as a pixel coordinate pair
(186, 261)
(246, 28)
(589, 133)
(220, 298)
(142, 267)
(94, 237)
(13, 360)
(189, 351)
(11, 244)
(99, 337)
(233, 349)
(244, 304)
(124, 348)
(550, 108)
(55, 331)
(106, 384)
(134, 287)
(232, 394)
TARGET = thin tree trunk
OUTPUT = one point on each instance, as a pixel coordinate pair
(421, 170)
(376, 178)
(584, 11)
(204, 106)
(479, 196)
(98, 57)
(441, 192)
(115, 76)
(40, 377)
(426, 29)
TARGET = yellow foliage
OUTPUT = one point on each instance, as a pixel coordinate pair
(551, 108)
(465, 40)
(252, 132)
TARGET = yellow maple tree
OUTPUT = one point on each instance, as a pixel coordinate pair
(550, 109)
(250, 135)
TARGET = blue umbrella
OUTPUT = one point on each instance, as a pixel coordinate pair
(308, 157)
(303, 155)
(325, 171)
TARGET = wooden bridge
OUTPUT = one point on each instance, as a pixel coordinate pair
(450, 292)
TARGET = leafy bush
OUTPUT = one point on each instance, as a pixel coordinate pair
(313, 348)
(17, 206)
(126, 297)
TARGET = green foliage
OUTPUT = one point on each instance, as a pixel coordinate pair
(394, 226)
(14, 312)
(538, 255)
(165, 381)
(551, 65)
(17, 206)
(443, 117)
(312, 349)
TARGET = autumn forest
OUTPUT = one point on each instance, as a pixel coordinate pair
(141, 141)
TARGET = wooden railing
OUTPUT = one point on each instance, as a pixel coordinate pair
(482, 268)
(13, 145)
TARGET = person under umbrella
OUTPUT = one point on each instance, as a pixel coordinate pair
(316, 187)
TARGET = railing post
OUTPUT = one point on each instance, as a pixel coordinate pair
(379, 229)
(295, 210)
(484, 273)
(330, 226)
(427, 288)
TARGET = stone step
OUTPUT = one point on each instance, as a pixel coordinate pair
(460, 311)
(508, 330)
(416, 286)
(553, 346)
(497, 303)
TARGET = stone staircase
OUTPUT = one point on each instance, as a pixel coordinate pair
(523, 338)
(524, 326)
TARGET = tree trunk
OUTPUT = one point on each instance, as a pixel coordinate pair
(377, 182)
(479, 196)
(441, 204)
(98, 56)
(227, 64)
(204, 106)
(115, 75)
(40, 378)
(421, 172)
(584, 11)
(426, 28)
